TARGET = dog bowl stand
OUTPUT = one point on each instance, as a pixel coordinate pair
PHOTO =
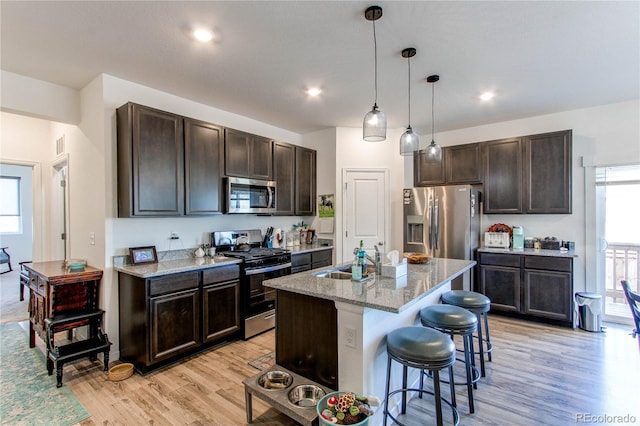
(278, 398)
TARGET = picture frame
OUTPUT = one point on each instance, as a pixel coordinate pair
(141, 255)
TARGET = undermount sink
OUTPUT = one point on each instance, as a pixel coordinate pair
(336, 275)
(340, 273)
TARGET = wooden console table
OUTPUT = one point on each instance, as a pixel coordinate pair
(62, 300)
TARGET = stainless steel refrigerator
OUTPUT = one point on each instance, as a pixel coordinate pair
(443, 221)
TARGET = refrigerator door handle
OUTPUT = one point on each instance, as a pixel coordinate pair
(436, 221)
(430, 222)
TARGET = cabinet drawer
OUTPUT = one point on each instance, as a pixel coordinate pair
(322, 256)
(512, 260)
(548, 263)
(173, 283)
(301, 259)
(221, 274)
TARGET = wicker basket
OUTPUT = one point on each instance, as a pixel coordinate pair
(120, 372)
(416, 257)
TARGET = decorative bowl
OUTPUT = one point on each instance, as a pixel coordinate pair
(416, 257)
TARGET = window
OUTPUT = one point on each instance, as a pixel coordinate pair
(10, 217)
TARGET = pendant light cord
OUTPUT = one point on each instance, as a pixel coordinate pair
(409, 90)
(433, 87)
(375, 58)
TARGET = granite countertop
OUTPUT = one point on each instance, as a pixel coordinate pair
(530, 252)
(173, 266)
(306, 248)
(382, 293)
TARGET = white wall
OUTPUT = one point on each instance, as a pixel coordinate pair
(352, 152)
(20, 244)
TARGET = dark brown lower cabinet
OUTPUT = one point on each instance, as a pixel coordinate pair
(534, 287)
(309, 348)
(163, 319)
(311, 260)
(221, 315)
(175, 324)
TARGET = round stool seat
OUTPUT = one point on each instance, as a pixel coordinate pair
(421, 345)
(449, 317)
(470, 300)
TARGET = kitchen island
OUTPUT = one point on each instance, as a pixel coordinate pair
(333, 330)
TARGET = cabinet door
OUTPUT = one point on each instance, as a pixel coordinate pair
(175, 324)
(284, 161)
(221, 311)
(463, 164)
(428, 174)
(261, 158)
(150, 162)
(547, 173)
(503, 176)
(203, 152)
(548, 294)
(305, 182)
(501, 284)
(236, 153)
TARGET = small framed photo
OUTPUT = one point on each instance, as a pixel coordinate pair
(143, 255)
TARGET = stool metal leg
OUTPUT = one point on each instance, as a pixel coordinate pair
(473, 359)
(436, 391)
(386, 392)
(452, 387)
(404, 386)
(486, 330)
(481, 344)
(467, 362)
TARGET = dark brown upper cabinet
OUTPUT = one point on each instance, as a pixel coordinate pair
(531, 174)
(503, 176)
(284, 163)
(247, 155)
(547, 172)
(461, 164)
(150, 162)
(305, 181)
(428, 174)
(203, 149)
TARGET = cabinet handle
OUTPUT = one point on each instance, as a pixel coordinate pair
(269, 316)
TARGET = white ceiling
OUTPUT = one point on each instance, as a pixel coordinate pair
(539, 57)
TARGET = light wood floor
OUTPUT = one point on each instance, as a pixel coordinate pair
(540, 375)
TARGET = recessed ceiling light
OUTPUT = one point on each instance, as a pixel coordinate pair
(313, 91)
(203, 35)
(487, 96)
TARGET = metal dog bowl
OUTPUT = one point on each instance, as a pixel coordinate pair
(275, 380)
(306, 395)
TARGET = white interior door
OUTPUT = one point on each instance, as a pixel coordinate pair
(365, 209)
(60, 211)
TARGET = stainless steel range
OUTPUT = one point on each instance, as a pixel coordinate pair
(257, 302)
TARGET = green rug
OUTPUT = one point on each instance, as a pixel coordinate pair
(29, 394)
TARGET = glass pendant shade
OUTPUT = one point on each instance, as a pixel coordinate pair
(434, 152)
(409, 142)
(374, 126)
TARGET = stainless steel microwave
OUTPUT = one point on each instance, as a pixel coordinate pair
(249, 195)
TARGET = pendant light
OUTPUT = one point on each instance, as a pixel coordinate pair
(374, 127)
(433, 151)
(409, 141)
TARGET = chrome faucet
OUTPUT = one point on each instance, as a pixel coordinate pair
(376, 262)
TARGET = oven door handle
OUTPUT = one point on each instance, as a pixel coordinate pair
(267, 269)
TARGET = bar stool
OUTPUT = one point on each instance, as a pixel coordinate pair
(426, 349)
(454, 320)
(478, 304)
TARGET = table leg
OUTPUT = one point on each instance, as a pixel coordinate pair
(247, 399)
(32, 335)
